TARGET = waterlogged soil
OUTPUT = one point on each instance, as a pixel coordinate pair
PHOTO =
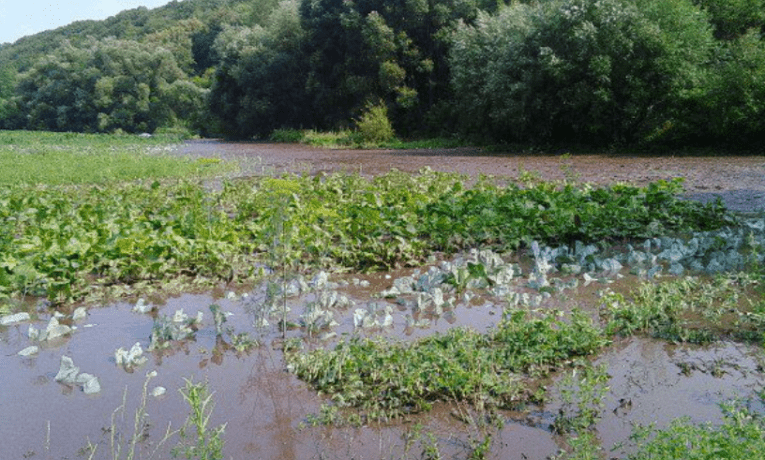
(266, 409)
(739, 180)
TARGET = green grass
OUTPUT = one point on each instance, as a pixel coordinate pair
(28, 157)
(351, 139)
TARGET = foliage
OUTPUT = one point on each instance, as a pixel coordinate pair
(287, 135)
(734, 100)
(259, 84)
(9, 116)
(59, 159)
(387, 380)
(572, 70)
(374, 126)
(104, 86)
(205, 443)
(662, 72)
(582, 392)
(733, 18)
(511, 216)
(681, 310)
(347, 139)
(741, 436)
(67, 243)
(130, 447)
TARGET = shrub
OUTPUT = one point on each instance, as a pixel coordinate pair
(374, 126)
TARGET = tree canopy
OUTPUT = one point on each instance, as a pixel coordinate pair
(603, 72)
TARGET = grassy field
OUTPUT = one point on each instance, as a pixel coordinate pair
(33, 158)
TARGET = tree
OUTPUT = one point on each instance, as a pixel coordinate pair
(107, 85)
(601, 72)
(362, 51)
(733, 18)
(733, 103)
(260, 82)
(10, 117)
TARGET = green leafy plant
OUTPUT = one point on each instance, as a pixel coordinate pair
(386, 380)
(680, 310)
(73, 243)
(198, 439)
(741, 436)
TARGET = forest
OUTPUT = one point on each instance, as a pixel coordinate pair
(549, 72)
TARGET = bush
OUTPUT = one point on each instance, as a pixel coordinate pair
(374, 126)
(292, 136)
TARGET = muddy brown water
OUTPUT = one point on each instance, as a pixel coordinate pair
(266, 408)
(738, 180)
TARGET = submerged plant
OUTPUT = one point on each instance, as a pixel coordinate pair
(741, 436)
(386, 380)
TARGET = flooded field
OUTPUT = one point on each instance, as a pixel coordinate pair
(267, 410)
(738, 180)
(237, 347)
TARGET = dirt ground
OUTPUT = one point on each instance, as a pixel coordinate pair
(738, 180)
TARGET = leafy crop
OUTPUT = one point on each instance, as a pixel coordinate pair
(487, 214)
(68, 242)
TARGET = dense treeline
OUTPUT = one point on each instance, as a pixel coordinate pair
(593, 72)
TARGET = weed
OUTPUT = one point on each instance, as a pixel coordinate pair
(205, 443)
(127, 448)
(242, 342)
(741, 436)
(688, 309)
(582, 393)
(387, 380)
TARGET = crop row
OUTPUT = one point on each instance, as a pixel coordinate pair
(65, 243)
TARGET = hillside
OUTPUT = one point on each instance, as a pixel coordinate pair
(612, 72)
(136, 24)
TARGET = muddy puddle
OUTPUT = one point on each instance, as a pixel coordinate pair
(267, 410)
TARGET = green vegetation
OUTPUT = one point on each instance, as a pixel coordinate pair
(386, 380)
(379, 379)
(741, 436)
(34, 158)
(350, 139)
(68, 243)
(688, 309)
(617, 72)
(198, 440)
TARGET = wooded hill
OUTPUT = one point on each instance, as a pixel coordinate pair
(591, 72)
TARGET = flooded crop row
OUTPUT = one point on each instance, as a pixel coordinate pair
(233, 342)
